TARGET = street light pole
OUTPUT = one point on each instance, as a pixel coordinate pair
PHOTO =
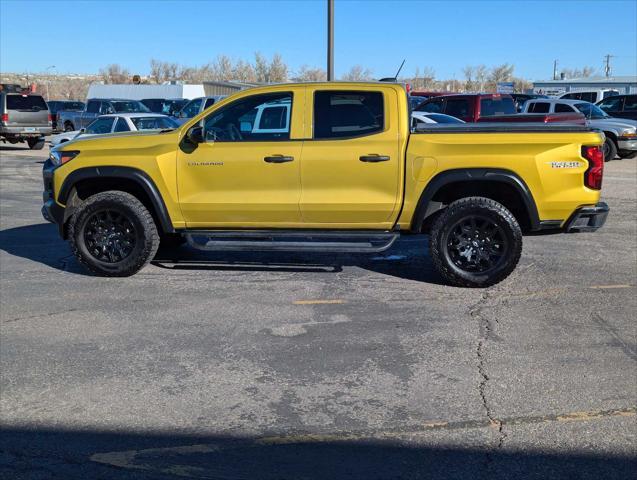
(330, 40)
(48, 81)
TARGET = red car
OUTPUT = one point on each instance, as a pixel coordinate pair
(490, 107)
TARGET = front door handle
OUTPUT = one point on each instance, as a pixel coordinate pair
(374, 158)
(278, 159)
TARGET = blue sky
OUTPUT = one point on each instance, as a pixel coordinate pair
(83, 36)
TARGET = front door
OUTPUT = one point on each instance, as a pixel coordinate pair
(247, 172)
(350, 170)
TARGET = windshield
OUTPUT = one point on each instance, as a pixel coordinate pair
(151, 123)
(33, 103)
(591, 111)
(130, 106)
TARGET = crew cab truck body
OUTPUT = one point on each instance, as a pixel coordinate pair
(339, 171)
(70, 120)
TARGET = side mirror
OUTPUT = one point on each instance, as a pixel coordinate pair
(195, 135)
(83, 130)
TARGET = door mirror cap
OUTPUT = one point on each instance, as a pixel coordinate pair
(195, 135)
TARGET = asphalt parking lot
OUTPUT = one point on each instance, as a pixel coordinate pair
(301, 366)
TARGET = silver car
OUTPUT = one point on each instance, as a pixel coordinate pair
(621, 133)
(118, 122)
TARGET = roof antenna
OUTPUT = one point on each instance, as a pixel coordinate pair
(395, 77)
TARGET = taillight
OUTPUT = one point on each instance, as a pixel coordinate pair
(50, 117)
(595, 171)
(5, 118)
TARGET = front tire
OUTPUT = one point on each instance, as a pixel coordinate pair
(609, 149)
(113, 234)
(475, 242)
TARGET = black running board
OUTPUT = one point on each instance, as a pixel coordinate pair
(359, 241)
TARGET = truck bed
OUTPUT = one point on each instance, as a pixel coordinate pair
(498, 127)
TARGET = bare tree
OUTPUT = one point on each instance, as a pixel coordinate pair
(277, 70)
(357, 73)
(481, 74)
(310, 74)
(584, 72)
(468, 73)
(261, 68)
(114, 73)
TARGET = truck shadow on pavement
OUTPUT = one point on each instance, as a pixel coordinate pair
(82, 454)
(407, 259)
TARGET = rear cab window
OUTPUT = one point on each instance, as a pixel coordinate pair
(346, 114)
(31, 103)
(496, 105)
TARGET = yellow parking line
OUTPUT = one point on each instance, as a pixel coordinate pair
(318, 302)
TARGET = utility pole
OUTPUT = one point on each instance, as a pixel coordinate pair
(607, 68)
(330, 40)
(554, 69)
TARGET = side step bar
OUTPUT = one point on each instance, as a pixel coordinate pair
(358, 241)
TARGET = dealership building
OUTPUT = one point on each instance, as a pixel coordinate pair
(623, 84)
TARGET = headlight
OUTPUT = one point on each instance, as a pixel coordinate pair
(60, 158)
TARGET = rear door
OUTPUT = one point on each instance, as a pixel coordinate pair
(28, 111)
(351, 161)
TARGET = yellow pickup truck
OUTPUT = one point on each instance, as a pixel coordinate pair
(324, 167)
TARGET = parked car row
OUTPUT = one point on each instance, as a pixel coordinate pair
(621, 137)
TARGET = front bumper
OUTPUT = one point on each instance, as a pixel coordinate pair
(588, 218)
(51, 211)
(627, 144)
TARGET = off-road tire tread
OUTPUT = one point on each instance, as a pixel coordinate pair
(151, 241)
(473, 203)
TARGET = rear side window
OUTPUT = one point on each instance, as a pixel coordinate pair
(539, 107)
(273, 118)
(496, 106)
(457, 108)
(34, 103)
(347, 113)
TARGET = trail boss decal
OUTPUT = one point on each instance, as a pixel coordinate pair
(565, 164)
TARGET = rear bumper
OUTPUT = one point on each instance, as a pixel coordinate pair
(587, 219)
(37, 131)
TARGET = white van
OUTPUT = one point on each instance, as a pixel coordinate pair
(592, 96)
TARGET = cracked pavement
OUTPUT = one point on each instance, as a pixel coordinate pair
(290, 366)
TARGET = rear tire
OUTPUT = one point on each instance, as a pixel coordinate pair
(35, 143)
(475, 242)
(113, 234)
(610, 150)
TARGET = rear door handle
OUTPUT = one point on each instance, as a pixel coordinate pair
(373, 158)
(278, 159)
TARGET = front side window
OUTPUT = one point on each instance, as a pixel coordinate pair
(612, 104)
(631, 103)
(243, 120)
(121, 125)
(153, 123)
(457, 108)
(106, 108)
(100, 126)
(191, 109)
(591, 111)
(209, 102)
(562, 108)
(347, 113)
(433, 106)
(93, 106)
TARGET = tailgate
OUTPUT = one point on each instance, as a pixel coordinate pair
(26, 111)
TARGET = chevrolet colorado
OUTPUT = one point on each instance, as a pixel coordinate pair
(330, 167)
